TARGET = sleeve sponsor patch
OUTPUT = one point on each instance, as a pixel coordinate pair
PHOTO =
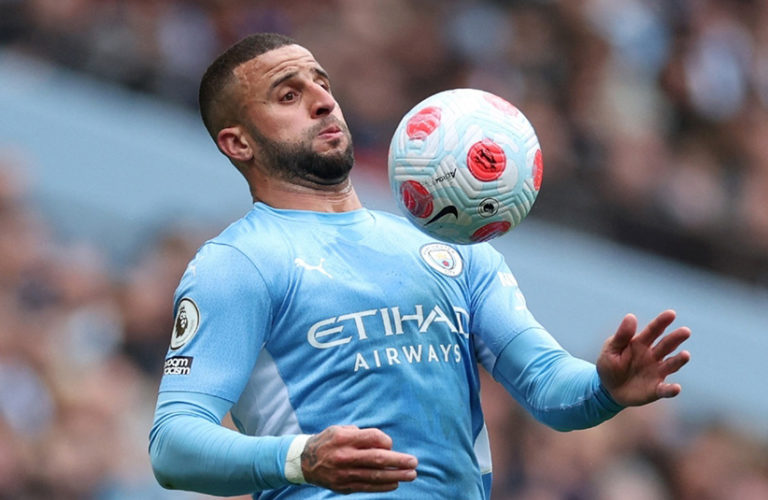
(186, 323)
(178, 365)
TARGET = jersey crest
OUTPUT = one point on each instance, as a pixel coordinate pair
(442, 258)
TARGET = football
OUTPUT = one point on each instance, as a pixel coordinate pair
(465, 166)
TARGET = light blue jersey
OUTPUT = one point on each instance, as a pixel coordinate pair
(301, 320)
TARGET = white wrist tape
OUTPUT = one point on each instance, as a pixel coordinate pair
(293, 472)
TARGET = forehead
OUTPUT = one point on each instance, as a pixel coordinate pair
(260, 72)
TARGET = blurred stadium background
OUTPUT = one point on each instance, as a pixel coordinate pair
(653, 120)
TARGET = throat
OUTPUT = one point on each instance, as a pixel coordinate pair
(314, 196)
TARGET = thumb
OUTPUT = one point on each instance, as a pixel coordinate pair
(620, 340)
(667, 390)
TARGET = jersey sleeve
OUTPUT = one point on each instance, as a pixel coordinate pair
(222, 311)
(498, 308)
(190, 450)
(558, 389)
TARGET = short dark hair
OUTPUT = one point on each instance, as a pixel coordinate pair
(220, 72)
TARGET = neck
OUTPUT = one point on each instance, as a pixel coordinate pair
(279, 193)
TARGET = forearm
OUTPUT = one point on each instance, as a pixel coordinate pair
(558, 389)
(190, 450)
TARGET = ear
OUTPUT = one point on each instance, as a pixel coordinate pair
(232, 142)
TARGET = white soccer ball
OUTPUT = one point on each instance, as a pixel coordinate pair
(465, 166)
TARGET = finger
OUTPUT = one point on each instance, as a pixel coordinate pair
(670, 342)
(347, 427)
(624, 333)
(673, 364)
(377, 458)
(656, 327)
(365, 488)
(378, 476)
(668, 390)
(371, 438)
(372, 480)
(341, 432)
(368, 487)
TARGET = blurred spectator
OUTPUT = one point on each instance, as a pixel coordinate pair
(146, 298)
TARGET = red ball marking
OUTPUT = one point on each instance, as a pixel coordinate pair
(538, 170)
(423, 123)
(416, 198)
(501, 104)
(490, 231)
(486, 160)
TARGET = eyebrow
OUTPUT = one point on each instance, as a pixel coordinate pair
(317, 71)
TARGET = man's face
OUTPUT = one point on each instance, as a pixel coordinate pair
(296, 128)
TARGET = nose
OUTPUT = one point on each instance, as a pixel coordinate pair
(322, 103)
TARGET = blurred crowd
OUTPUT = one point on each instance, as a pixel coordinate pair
(81, 351)
(653, 119)
(652, 114)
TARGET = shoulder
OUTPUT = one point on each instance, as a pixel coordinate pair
(258, 226)
(258, 236)
(248, 248)
(218, 269)
(481, 252)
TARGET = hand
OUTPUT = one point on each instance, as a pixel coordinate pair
(348, 459)
(633, 369)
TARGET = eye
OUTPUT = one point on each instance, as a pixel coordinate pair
(289, 96)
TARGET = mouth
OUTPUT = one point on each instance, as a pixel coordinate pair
(332, 132)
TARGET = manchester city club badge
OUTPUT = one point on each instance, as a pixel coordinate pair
(442, 258)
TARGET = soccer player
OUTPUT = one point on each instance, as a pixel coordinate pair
(345, 342)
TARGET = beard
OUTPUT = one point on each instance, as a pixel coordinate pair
(297, 162)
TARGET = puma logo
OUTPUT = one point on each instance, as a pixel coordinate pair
(319, 268)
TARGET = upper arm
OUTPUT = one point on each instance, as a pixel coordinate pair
(498, 308)
(222, 314)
